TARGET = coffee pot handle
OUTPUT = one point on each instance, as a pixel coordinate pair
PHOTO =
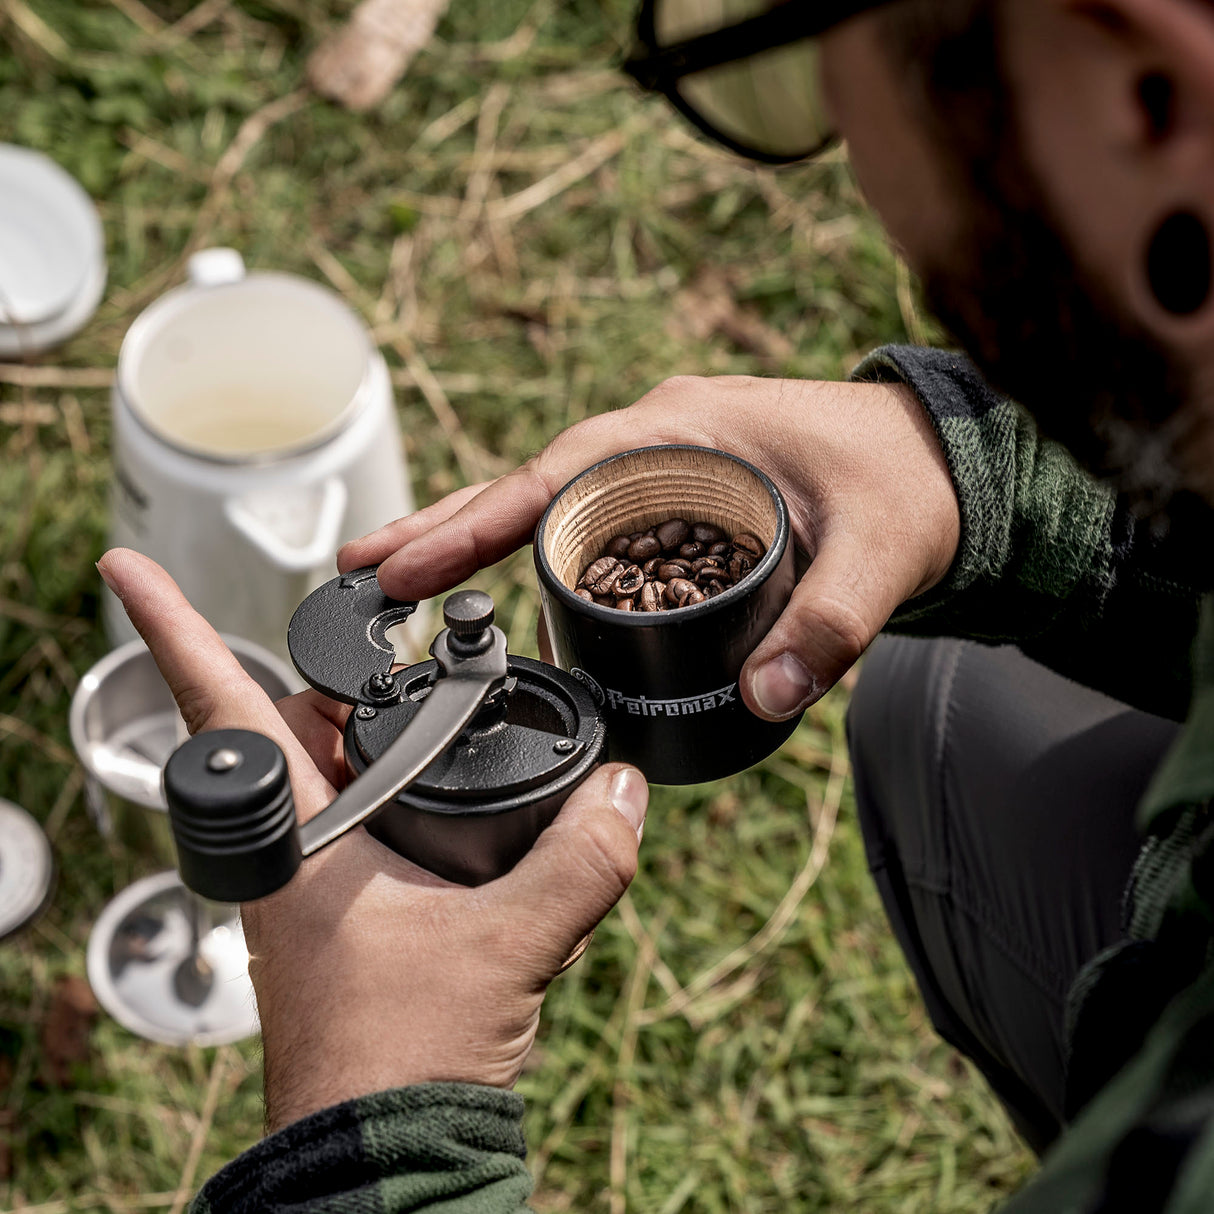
(296, 528)
(215, 267)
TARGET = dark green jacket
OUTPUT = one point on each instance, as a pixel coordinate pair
(1051, 560)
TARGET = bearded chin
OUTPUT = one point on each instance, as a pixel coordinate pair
(1092, 382)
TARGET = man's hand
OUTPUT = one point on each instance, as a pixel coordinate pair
(866, 482)
(370, 972)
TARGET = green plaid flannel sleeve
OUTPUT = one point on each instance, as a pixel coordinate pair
(1050, 558)
(442, 1147)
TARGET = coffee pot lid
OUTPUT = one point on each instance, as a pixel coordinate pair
(52, 253)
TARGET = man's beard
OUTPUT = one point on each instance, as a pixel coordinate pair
(1015, 299)
(1010, 288)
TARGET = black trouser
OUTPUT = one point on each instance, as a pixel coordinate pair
(997, 802)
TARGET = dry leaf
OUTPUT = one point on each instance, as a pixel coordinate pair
(66, 1028)
(360, 63)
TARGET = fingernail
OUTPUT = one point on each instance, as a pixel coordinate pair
(782, 686)
(107, 579)
(630, 797)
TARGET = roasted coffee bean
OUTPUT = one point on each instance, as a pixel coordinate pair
(600, 577)
(672, 564)
(672, 533)
(677, 590)
(640, 550)
(740, 564)
(629, 582)
(651, 596)
(673, 569)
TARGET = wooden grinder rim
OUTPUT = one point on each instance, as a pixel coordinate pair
(638, 489)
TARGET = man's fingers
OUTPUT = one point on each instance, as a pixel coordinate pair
(318, 722)
(211, 688)
(488, 527)
(493, 523)
(544, 641)
(836, 610)
(372, 548)
(578, 868)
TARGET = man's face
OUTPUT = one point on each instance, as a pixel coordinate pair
(954, 188)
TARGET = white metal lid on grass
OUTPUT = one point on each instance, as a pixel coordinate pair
(52, 253)
(26, 868)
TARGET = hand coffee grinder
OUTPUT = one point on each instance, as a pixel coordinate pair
(457, 763)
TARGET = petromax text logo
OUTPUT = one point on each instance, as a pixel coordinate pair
(642, 706)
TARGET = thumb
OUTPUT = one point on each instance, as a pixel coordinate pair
(836, 610)
(578, 869)
(211, 688)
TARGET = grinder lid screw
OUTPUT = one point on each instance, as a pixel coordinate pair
(224, 759)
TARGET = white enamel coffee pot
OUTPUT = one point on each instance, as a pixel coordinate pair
(254, 432)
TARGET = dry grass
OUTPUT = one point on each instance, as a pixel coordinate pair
(527, 239)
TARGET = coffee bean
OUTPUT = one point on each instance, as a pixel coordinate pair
(745, 542)
(624, 605)
(651, 566)
(634, 536)
(583, 593)
(651, 596)
(678, 589)
(600, 577)
(672, 533)
(707, 534)
(604, 600)
(617, 546)
(641, 549)
(629, 582)
(689, 552)
(713, 587)
(707, 562)
(673, 569)
(740, 564)
(696, 596)
(719, 549)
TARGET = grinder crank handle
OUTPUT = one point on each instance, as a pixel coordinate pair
(229, 794)
(468, 677)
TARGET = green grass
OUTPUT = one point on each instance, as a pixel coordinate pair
(726, 1045)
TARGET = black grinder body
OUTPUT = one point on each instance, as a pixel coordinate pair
(481, 805)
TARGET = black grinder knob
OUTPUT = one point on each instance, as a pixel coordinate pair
(469, 614)
(232, 815)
